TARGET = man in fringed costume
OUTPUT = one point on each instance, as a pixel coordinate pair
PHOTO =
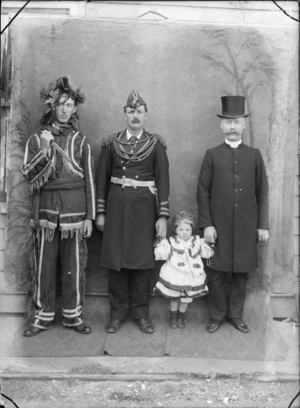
(59, 168)
(132, 182)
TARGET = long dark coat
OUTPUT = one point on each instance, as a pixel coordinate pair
(131, 213)
(233, 197)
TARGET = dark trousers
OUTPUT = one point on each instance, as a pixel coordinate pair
(227, 293)
(123, 283)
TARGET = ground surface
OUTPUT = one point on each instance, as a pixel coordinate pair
(214, 391)
(171, 369)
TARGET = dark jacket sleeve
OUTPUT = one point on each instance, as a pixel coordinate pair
(103, 174)
(262, 192)
(162, 180)
(203, 192)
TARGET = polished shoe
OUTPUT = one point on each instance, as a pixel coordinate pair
(77, 324)
(114, 326)
(213, 326)
(145, 326)
(238, 324)
(81, 329)
(37, 327)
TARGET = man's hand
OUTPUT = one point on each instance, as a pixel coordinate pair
(46, 138)
(100, 221)
(210, 235)
(87, 228)
(161, 227)
(262, 235)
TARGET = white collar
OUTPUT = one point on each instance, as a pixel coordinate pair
(233, 145)
(129, 135)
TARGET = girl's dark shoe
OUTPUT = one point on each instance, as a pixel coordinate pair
(173, 320)
(181, 320)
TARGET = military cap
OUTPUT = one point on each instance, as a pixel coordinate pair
(134, 100)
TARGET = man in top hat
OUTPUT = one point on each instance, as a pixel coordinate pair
(59, 169)
(132, 183)
(233, 213)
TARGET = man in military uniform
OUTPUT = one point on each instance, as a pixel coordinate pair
(233, 212)
(132, 184)
(59, 169)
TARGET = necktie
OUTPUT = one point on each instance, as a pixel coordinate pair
(132, 143)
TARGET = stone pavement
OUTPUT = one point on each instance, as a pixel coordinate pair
(106, 367)
(270, 349)
(69, 367)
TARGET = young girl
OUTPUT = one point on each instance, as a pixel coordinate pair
(182, 277)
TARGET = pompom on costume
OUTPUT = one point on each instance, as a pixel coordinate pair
(182, 276)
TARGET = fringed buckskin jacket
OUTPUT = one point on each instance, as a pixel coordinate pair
(63, 190)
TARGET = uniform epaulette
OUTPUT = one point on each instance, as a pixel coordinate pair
(107, 140)
(161, 139)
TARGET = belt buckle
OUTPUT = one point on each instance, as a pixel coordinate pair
(123, 183)
(132, 183)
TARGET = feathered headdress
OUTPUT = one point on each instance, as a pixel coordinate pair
(63, 85)
(51, 94)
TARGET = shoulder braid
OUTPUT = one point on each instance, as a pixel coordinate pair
(107, 140)
(161, 140)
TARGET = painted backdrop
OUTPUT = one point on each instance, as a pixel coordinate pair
(181, 70)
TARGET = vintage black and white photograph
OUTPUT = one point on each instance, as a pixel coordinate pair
(149, 204)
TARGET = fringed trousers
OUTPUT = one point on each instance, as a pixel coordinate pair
(67, 253)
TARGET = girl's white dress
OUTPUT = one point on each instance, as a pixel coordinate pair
(182, 276)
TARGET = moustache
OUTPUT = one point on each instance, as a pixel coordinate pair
(135, 121)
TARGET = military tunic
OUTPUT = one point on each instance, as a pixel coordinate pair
(233, 197)
(131, 212)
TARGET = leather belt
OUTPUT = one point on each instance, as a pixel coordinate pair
(128, 182)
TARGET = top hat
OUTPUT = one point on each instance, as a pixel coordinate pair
(134, 100)
(233, 107)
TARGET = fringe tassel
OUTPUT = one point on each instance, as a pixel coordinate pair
(70, 169)
(33, 251)
(106, 141)
(69, 230)
(48, 228)
(41, 180)
(161, 140)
